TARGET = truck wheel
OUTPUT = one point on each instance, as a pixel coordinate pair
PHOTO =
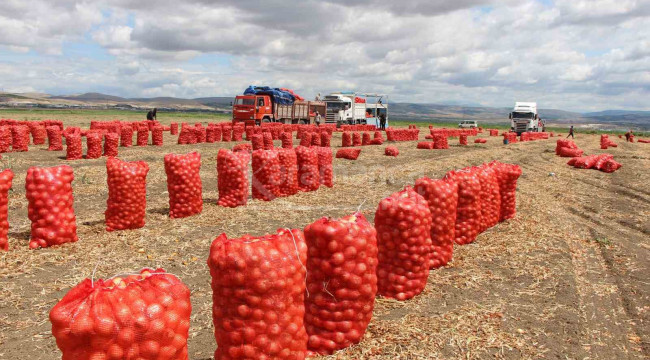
(266, 120)
(303, 122)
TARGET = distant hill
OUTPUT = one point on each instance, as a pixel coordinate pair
(449, 112)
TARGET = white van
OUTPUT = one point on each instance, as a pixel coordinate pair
(467, 124)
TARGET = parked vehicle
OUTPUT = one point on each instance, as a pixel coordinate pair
(265, 104)
(468, 124)
(524, 118)
(355, 108)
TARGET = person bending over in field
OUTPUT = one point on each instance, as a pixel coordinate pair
(151, 115)
(570, 133)
(628, 135)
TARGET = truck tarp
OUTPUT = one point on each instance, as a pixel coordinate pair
(279, 96)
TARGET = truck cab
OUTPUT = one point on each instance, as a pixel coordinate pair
(524, 118)
(343, 109)
(252, 107)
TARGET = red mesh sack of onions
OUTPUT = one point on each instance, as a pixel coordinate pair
(238, 133)
(258, 290)
(142, 137)
(186, 135)
(20, 138)
(139, 316)
(350, 154)
(289, 167)
(246, 147)
(38, 134)
(315, 139)
(54, 138)
(325, 167)
(287, 141)
(210, 135)
(267, 175)
(440, 142)
(268, 140)
(157, 135)
(403, 224)
(480, 141)
(462, 139)
(200, 133)
(126, 135)
(111, 142)
(257, 141)
(426, 145)
(356, 139)
(6, 139)
(507, 175)
(305, 140)
(490, 197)
(50, 206)
(341, 281)
(184, 184)
(218, 132)
(127, 194)
(391, 151)
(610, 166)
(6, 178)
(308, 171)
(468, 212)
(94, 145)
(442, 197)
(232, 180)
(173, 128)
(226, 133)
(366, 140)
(73, 146)
(346, 139)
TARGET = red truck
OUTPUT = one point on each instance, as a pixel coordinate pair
(262, 107)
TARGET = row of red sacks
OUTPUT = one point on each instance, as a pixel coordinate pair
(531, 136)
(602, 162)
(402, 134)
(293, 293)
(453, 132)
(357, 128)
(361, 139)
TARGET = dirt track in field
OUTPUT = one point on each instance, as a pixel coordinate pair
(567, 278)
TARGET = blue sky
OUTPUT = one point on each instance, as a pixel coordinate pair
(581, 55)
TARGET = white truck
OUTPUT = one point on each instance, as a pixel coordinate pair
(524, 118)
(349, 108)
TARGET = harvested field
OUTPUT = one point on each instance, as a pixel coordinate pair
(566, 278)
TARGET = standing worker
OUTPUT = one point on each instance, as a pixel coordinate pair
(570, 133)
(628, 135)
(317, 118)
(382, 122)
(151, 115)
(318, 97)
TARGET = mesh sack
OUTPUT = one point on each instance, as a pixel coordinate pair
(243, 147)
(237, 133)
(20, 138)
(490, 197)
(341, 281)
(356, 139)
(462, 140)
(426, 145)
(226, 133)
(468, 212)
(111, 141)
(126, 136)
(346, 139)
(325, 167)
(184, 184)
(6, 178)
(391, 151)
(267, 175)
(287, 141)
(73, 146)
(305, 140)
(442, 197)
(6, 139)
(94, 145)
(258, 290)
(142, 137)
(39, 134)
(268, 140)
(507, 174)
(200, 134)
(143, 316)
(315, 139)
(325, 139)
(50, 206)
(308, 173)
(365, 139)
(173, 128)
(157, 135)
(232, 181)
(610, 166)
(349, 153)
(403, 224)
(257, 142)
(127, 194)
(289, 165)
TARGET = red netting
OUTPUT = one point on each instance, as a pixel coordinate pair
(480, 141)
(218, 132)
(356, 139)
(346, 139)
(94, 145)
(440, 142)
(238, 133)
(157, 135)
(20, 138)
(243, 147)
(341, 281)
(348, 153)
(426, 145)
(403, 224)
(257, 141)
(268, 140)
(315, 139)
(267, 175)
(287, 141)
(308, 174)
(111, 142)
(507, 175)
(391, 151)
(50, 206)
(6, 139)
(258, 290)
(325, 167)
(126, 135)
(184, 184)
(210, 136)
(226, 133)
(365, 139)
(232, 169)
(490, 197)
(601, 160)
(610, 166)
(127, 194)
(468, 214)
(143, 316)
(173, 128)
(73, 146)
(305, 140)
(442, 197)
(142, 137)
(462, 140)
(39, 134)
(6, 178)
(289, 165)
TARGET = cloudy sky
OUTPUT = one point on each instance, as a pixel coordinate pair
(577, 55)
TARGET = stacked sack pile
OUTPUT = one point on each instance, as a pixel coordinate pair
(402, 134)
(567, 148)
(602, 162)
(606, 142)
(530, 136)
(510, 137)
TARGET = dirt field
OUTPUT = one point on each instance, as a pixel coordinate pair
(567, 278)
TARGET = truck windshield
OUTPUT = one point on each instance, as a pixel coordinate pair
(519, 115)
(335, 106)
(245, 101)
